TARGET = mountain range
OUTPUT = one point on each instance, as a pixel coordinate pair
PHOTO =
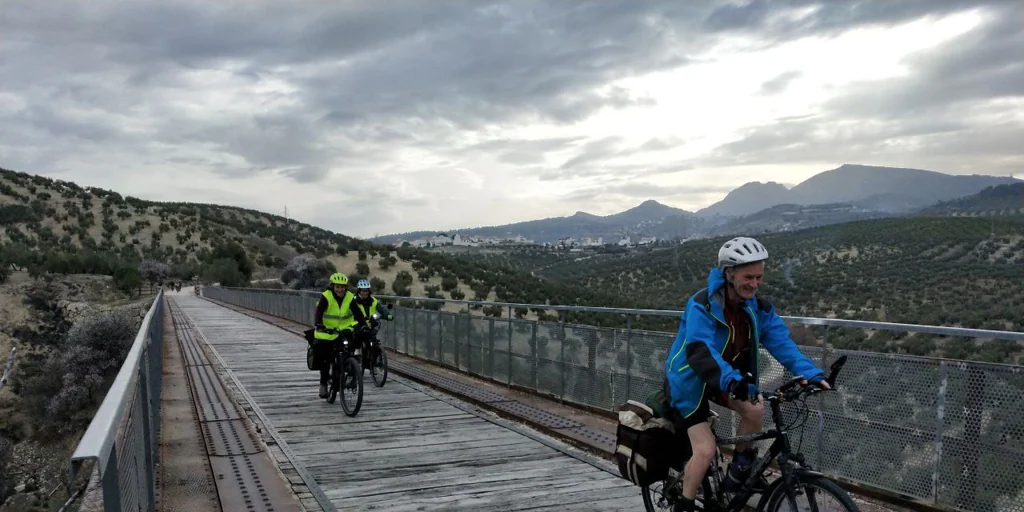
(849, 192)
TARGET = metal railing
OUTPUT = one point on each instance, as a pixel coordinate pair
(947, 433)
(122, 437)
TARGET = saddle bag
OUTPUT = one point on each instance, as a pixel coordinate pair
(644, 443)
(311, 360)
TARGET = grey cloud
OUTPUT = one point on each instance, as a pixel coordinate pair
(520, 158)
(982, 64)
(593, 151)
(627, 191)
(651, 190)
(942, 144)
(659, 144)
(521, 151)
(778, 19)
(933, 117)
(779, 83)
(369, 74)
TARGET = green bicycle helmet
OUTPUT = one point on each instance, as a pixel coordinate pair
(339, 278)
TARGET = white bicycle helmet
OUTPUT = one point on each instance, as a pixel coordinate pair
(363, 284)
(740, 251)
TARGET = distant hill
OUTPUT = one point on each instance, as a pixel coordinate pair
(793, 217)
(999, 200)
(749, 198)
(847, 193)
(888, 189)
(649, 218)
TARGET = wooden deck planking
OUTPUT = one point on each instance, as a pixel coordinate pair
(406, 449)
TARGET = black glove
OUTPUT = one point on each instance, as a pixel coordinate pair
(743, 388)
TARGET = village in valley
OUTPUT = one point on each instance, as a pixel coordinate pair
(563, 243)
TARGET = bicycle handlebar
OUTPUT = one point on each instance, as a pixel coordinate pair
(792, 390)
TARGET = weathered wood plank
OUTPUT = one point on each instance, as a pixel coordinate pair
(406, 450)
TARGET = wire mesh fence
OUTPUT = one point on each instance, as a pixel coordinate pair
(122, 437)
(944, 432)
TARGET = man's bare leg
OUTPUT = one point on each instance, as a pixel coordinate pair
(751, 420)
(702, 441)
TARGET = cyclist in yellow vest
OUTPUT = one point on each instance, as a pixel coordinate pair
(334, 317)
(368, 304)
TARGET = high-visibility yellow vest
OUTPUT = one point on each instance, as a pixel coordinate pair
(373, 308)
(336, 316)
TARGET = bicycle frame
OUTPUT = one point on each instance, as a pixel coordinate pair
(780, 449)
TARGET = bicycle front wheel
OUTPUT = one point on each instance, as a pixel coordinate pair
(335, 382)
(352, 387)
(812, 493)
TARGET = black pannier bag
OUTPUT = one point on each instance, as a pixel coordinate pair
(311, 361)
(644, 444)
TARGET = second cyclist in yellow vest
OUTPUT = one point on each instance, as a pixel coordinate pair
(336, 315)
(368, 305)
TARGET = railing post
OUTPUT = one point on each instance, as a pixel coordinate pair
(533, 353)
(975, 394)
(455, 348)
(561, 358)
(508, 377)
(490, 352)
(820, 459)
(940, 413)
(414, 309)
(111, 483)
(629, 356)
(440, 337)
(148, 435)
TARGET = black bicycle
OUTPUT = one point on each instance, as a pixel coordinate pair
(345, 369)
(798, 479)
(374, 357)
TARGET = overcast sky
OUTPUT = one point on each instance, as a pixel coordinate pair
(386, 116)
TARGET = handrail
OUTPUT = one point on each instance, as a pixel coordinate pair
(99, 439)
(805, 320)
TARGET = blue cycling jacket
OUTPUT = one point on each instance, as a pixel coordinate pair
(695, 360)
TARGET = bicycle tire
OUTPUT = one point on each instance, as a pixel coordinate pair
(379, 381)
(778, 498)
(335, 379)
(352, 368)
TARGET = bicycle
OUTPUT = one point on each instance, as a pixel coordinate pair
(797, 475)
(374, 357)
(345, 368)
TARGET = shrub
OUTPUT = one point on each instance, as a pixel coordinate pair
(304, 270)
(62, 391)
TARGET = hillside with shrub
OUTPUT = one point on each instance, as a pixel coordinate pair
(1001, 200)
(951, 271)
(71, 335)
(57, 227)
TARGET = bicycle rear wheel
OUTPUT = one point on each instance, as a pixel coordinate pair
(352, 387)
(811, 493)
(379, 367)
(658, 496)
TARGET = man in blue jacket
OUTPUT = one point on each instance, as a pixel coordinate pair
(715, 358)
